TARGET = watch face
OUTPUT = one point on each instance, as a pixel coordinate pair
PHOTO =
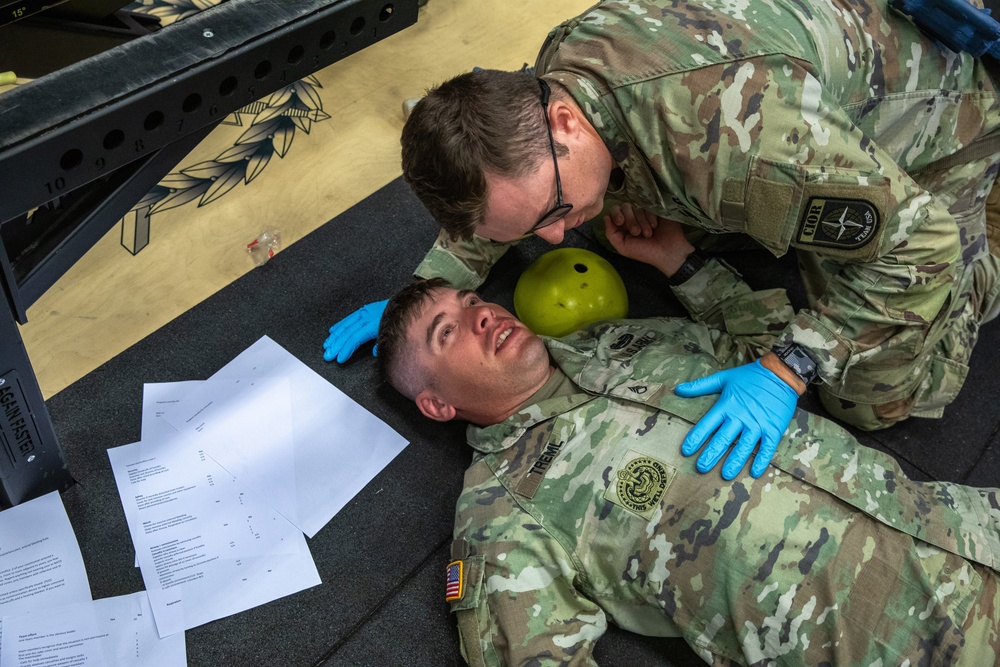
(798, 362)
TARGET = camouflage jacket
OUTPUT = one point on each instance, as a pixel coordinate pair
(580, 509)
(807, 125)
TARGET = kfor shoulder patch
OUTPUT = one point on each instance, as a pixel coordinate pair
(846, 224)
(454, 582)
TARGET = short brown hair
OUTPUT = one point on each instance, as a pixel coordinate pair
(486, 121)
(395, 359)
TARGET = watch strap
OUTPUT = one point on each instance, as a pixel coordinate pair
(691, 266)
(798, 361)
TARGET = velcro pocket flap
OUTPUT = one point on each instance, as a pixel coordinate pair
(471, 583)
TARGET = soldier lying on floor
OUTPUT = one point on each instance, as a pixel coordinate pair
(580, 507)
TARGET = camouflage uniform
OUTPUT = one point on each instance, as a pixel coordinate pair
(579, 509)
(834, 128)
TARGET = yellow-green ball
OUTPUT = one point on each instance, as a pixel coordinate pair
(567, 289)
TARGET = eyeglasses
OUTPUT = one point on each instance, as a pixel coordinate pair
(561, 209)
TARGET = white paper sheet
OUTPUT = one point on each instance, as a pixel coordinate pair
(207, 547)
(157, 398)
(40, 561)
(115, 631)
(337, 445)
(249, 416)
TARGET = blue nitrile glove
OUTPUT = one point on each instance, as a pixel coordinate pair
(353, 331)
(756, 406)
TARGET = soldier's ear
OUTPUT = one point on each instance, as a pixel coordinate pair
(563, 120)
(433, 407)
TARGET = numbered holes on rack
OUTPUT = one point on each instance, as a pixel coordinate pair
(191, 103)
(153, 120)
(113, 140)
(228, 86)
(262, 69)
(71, 159)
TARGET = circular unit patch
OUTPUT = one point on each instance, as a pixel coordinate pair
(641, 483)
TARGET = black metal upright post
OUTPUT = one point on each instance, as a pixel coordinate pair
(81, 145)
(31, 460)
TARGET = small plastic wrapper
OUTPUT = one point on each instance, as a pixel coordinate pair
(264, 246)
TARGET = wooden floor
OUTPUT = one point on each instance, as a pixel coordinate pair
(112, 299)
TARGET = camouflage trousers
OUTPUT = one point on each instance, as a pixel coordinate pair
(981, 629)
(923, 369)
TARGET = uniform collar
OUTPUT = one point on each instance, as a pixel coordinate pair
(539, 408)
(640, 185)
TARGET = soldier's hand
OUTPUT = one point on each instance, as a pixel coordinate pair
(752, 413)
(353, 331)
(632, 221)
(660, 241)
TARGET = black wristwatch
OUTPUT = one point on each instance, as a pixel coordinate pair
(691, 265)
(798, 360)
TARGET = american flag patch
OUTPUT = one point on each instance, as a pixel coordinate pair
(455, 583)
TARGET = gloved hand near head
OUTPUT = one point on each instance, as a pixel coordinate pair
(353, 331)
